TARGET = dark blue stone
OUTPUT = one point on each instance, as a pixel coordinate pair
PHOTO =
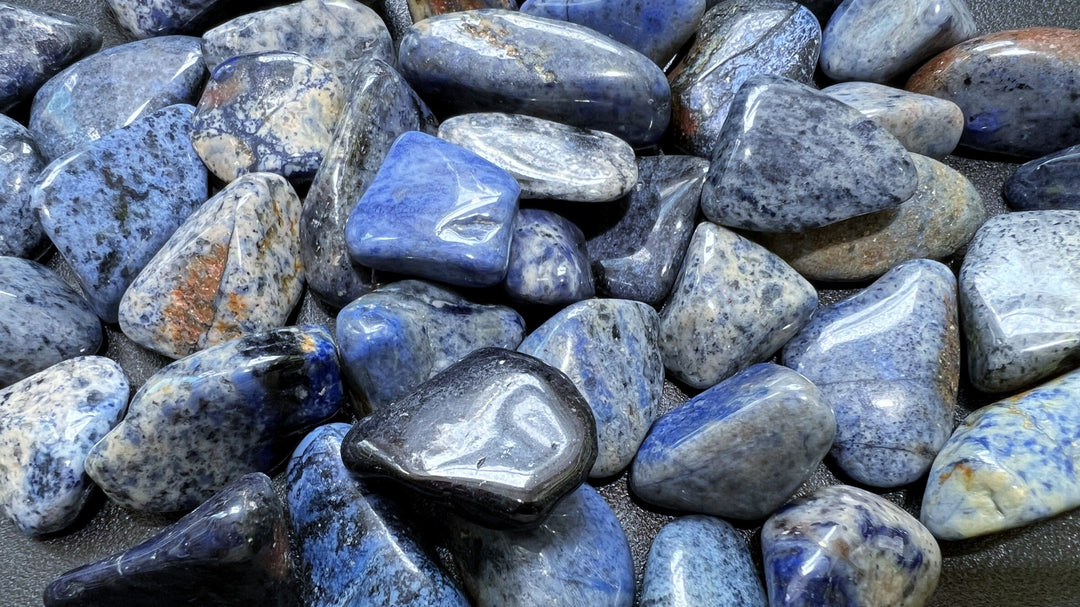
(149, 18)
(548, 261)
(1050, 182)
(20, 162)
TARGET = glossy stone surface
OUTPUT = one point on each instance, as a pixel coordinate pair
(577, 556)
(233, 268)
(1007, 465)
(1050, 182)
(350, 546)
(423, 9)
(401, 335)
(739, 449)
(925, 125)
(435, 210)
(149, 18)
(888, 362)
(737, 40)
(700, 560)
(48, 423)
(267, 112)
(218, 414)
(937, 221)
(1019, 299)
(610, 349)
(996, 78)
(110, 205)
(20, 162)
(231, 549)
(733, 304)
(548, 159)
(548, 261)
(114, 88)
(562, 71)
(845, 546)
(380, 107)
(42, 320)
(498, 437)
(846, 164)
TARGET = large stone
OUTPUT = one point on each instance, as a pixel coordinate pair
(1050, 182)
(20, 231)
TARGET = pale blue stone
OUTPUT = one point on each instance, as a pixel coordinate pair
(20, 162)
(548, 261)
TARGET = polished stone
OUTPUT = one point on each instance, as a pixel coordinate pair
(739, 449)
(422, 9)
(733, 304)
(20, 162)
(1050, 182)
(549, 264)
(149, 18)
(498, 437)
(791, 158)
(220, 413)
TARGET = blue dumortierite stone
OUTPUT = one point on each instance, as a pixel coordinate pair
(578, 555)
(399, 336)
(435, 210)
(842, 546)
(20, 162)
(878, 40)
(1050, 182)
(561, 71)
(739, 449)
(149, 18)
(654, 28)
(111, 204)
(738, 39)
(34, 46)
(228, 410)
(350, 547)
(232, 549)
(42, 320)
(888, 362)
(610, 349)
(1009, 464)
(548, 261)
(48, 423)
(700, 560)
(114, 88)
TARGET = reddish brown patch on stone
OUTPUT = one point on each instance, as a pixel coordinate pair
(190, 310)
(966, 471)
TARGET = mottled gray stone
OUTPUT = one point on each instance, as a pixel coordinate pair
(20, 162)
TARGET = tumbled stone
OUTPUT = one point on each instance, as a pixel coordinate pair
(234, 408)
(822, 9)
(936, 222)
(548, 159)
(350, 546)
(48, 423)
(739, 449)
(20, 162)
(435, 210)
(995, 79)
(610, 349)
(232, 549)
(401, 335)
(110, 205)
(737, 40)
(114, 88)
(380, 107)
(548, 261)
(888, 362)
(42, 320)
(1050, 182)
(233, 268)
(791, 158)
(1019, 299)
(422, 9)
(700, 560)
(733, 304)
(561, 71)
(845, 546)
(149, 18)
(498, 437)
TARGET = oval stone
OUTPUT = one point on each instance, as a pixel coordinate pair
(1050, 182)
(20, 162)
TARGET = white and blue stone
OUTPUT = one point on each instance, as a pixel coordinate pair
(150, 18)
(216, 415)
(1047, 183)
(438, 211)
(845, 546)
(114, 88)
(20, 163)
(548, 263)
(738, 449)
(888, 362)
(111, 204)
(399, 336)
(610, 349)
(350, 546)
(733, 304)
(48, 423)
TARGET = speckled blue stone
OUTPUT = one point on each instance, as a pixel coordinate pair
(350, 547)
(435, 210)
(114, 88)
(700, 560)
(548, 261)
(149, 18)
(110, 205)
(1050, 182)
(20, 232)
